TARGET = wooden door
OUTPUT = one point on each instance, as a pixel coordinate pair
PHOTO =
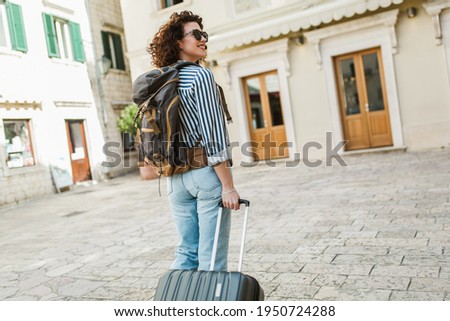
(362, 97)
(79, 158)
(265, 116)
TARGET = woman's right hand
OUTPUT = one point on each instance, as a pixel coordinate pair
(230, 199)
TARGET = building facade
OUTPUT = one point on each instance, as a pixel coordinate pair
(297, 74)
(111, 82)
(53, 121)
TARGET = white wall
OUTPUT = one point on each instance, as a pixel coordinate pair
(418, 74)
(34, 77)
(423, 83)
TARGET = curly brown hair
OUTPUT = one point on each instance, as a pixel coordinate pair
(164, 47)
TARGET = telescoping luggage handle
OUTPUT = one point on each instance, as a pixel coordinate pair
(216, 236)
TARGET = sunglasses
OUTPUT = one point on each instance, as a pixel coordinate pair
(198, 34)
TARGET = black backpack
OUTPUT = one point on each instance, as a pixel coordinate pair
(158, 136)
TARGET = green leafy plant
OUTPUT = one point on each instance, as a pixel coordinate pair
(125, 122)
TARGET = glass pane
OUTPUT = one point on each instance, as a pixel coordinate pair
(18, 144)
(66, 40)
(273, 90)
(254, 90)
(113, 55)
(3, 42)
(61, 36)
(76, 139)
(373, 82)
(169, 3)
(348, 80)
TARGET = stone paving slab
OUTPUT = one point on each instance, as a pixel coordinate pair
(377, 229)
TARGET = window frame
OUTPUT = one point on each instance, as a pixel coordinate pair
(63, 38)
(117, 63)
(163, 3)
(5, 27)
(13, 28)
(28, 122)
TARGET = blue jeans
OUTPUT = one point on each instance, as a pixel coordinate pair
(194, 197)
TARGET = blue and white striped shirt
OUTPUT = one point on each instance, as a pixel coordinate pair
(201, 114)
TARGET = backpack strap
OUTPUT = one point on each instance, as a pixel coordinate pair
(224, 104)
(183, 63)
(151, 118)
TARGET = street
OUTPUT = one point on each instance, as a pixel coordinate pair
(377, 229)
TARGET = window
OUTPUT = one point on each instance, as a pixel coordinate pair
(19, 150)
(4, 41)
(112, 48)
(12, 31)
(169, 3)
(63, 38)
(62, 35)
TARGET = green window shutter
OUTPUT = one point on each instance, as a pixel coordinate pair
(16, 27)
(106, 46)
(118, 52)
(50, 33)
(77, 42)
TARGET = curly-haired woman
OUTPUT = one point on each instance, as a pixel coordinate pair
(194, 195)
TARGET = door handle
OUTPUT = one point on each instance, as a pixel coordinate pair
(265, 123)
(367, 107)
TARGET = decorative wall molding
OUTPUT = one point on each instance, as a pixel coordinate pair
(118, 105)
(280, 47)
(113, 27)
(73, 104)
(21, 105)
(59, 5)
(379, 35)
(386, 19)
(241, 6)
(434, 10)
(257, 25)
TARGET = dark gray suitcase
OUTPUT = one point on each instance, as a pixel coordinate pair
(180, 285)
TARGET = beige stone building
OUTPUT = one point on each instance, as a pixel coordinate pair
(374, 73)
(58, 107)
(111, 81)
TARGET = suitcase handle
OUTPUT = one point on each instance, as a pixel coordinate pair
(216, 236)
(241, 201)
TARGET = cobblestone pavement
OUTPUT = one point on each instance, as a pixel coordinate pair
(377, 229)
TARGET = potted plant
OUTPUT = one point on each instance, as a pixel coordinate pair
(125, 124)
